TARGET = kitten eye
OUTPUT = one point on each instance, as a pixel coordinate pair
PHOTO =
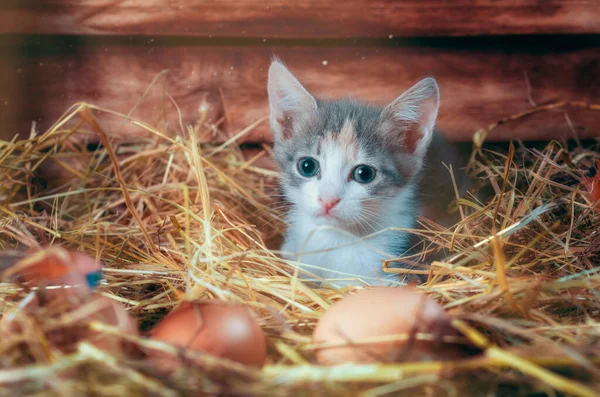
(363, 174)
(308, 167)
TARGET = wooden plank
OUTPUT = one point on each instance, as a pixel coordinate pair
(477, 86)
(13, 114)
(299, 19)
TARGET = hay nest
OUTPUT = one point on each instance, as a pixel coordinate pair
(171, 219)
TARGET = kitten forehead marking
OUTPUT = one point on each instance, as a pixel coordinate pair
(345, 140)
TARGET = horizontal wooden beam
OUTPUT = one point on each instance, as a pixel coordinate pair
(301, 18)
(478, 86)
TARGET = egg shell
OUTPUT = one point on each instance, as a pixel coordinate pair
(110, 312)
(216, 328)
(95, 308)
(55, 266)
(79, 310)
(379, 312)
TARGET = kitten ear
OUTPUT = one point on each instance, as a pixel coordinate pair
(289, 101)
(413, 115)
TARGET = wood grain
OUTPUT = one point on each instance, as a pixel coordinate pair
(299, 19)
(478, 87)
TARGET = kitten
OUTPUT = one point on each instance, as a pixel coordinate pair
(351, 171)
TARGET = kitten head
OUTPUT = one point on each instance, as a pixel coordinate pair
(345, 163)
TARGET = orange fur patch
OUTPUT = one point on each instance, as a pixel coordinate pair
(348, 140)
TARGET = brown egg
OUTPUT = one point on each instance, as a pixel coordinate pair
(75, 312)
(110, 312)
(378, 312)
(55, 266)
(217, 328)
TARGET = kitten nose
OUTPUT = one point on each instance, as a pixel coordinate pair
(329, 203)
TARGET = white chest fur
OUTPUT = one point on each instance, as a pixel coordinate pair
(343, 258)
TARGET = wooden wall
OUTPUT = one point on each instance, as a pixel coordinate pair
(491, 58)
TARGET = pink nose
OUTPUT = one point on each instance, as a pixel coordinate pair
(329, 203)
